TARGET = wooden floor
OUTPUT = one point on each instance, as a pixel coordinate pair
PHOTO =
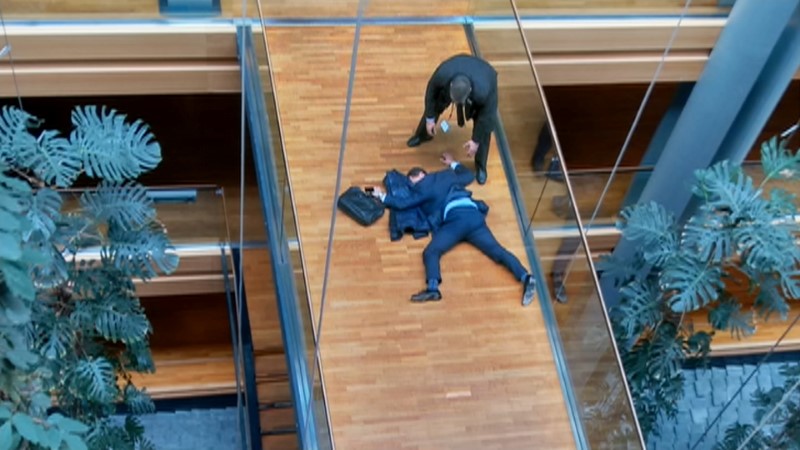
(473, 371)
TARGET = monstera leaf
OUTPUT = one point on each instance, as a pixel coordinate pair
(777, 160)
(647, 222)
(782, 203)
(143, 253)
(44, 212)
(111, 148)
(52, 159)
(640, 307)
(14, 135)
(769, 300)
(726, 188)
(138, 401)
(765, 245)
(124, 206)
(728, 315)
(737, 434)
(14, 202)
(96, 377)
(692, 283)
(120, 319)
(709, 235)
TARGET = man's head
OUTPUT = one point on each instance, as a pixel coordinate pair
(416, 174)
(460, 88)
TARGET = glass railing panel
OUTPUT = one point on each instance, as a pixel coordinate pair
(594, 384)
(600, 8)
(192, 215)
(289, 234)
(127, 9)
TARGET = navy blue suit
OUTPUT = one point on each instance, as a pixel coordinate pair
(462, 224)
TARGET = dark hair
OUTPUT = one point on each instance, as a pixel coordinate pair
(460, 89)
(415, 171)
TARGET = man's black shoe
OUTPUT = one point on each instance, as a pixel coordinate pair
(427, 296)
(530, 290)
(480, 175)
(415, 141)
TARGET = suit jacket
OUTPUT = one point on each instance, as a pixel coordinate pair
(481, 105)
(432, 193)
(401, 221)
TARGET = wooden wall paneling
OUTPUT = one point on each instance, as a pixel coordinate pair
(191, 345)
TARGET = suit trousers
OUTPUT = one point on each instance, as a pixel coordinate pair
(467, 224)
(483, 146)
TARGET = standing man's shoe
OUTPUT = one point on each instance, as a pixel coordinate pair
(530, 290)
(427, 295)
(415, 141)
(480, 175)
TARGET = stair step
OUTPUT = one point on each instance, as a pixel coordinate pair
(279, 419)
(280, 442)
(273, 391)
(276, 405)
(279, 431)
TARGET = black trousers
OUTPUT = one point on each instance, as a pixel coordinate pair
(483, 145)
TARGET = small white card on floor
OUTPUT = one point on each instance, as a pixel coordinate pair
(445, 126)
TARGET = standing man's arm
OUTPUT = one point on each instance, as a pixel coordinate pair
(432, 93)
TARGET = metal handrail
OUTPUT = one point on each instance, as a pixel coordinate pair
(574, 205)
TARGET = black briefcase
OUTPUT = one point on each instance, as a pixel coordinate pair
(360, 206)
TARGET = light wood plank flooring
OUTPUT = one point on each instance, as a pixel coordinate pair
(473, 371)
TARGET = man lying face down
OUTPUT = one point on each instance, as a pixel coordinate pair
(454, 217)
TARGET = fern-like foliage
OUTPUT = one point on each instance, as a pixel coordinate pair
(111, 148)
(125, 206)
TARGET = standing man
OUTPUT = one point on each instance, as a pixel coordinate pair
(454, 217)
(470, 84)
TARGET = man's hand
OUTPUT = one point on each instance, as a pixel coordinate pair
(447, 159)
(471, 147)
(430, 126)
(377, 192)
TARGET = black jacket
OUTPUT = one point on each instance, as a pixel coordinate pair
(482, 103)
(401, 221)
(432, 193)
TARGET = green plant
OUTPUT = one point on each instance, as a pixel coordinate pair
(71, 328)
(740, 240)
(782, 430)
